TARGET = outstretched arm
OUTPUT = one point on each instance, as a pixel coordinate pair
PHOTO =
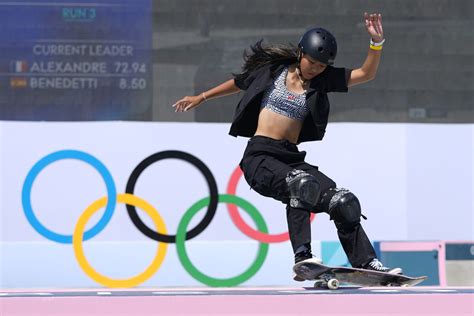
(221, 90)
(373, 24)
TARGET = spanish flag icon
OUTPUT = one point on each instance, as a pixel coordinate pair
(17, 82)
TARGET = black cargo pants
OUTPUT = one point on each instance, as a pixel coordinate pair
(265, 164)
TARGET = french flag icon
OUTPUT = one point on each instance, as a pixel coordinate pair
(19, 66)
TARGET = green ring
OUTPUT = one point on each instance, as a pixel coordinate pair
(198, 275)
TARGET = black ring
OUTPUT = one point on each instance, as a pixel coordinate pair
(211, 182)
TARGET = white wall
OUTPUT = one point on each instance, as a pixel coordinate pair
(414, 181)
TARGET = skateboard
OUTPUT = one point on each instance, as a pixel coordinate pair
(332, 277)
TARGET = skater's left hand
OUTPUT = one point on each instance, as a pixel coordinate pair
(373, 24)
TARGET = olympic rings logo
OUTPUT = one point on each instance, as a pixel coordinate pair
(160, 233)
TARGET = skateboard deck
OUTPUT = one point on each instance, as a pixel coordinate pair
(331, 277)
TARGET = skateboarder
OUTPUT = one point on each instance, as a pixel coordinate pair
(285, 103)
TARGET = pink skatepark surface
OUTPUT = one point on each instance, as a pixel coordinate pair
(241, 301)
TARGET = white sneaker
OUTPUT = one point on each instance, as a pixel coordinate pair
(299, 278)
(376, 265)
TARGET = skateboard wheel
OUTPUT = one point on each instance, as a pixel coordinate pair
(333, 284)
(405, 285)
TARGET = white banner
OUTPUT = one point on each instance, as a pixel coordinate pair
(414, 181)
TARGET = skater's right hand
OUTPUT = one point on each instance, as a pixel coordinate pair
(187, 103)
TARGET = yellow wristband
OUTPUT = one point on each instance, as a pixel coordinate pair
(376, 47)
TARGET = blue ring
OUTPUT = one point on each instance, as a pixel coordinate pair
(68, 154)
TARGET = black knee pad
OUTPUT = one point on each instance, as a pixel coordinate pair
(303, 188)
(342, 205)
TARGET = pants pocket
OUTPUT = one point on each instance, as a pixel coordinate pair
(257, 174)
(263, 180)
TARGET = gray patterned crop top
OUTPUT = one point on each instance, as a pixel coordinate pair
(279, 99)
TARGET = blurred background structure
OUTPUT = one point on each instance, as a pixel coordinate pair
(426, 74)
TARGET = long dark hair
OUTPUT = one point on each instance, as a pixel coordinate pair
(261, 54)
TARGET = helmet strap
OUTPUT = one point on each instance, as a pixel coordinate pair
(300, 76)
(298, 68)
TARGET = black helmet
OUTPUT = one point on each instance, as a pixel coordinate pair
(319, 44)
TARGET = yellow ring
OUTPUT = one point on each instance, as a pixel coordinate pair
(79, 251)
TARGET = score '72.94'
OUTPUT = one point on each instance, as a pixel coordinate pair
(129, 68)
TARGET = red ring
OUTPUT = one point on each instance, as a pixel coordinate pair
(242, 225)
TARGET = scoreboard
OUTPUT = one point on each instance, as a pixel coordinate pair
(75, 60)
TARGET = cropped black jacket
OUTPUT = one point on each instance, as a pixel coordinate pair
(245, 119)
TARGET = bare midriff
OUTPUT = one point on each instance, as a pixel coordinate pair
(277, 126)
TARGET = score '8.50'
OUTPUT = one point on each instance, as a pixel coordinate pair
(132, 83)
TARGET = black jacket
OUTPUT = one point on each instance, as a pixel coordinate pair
(246, 114)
